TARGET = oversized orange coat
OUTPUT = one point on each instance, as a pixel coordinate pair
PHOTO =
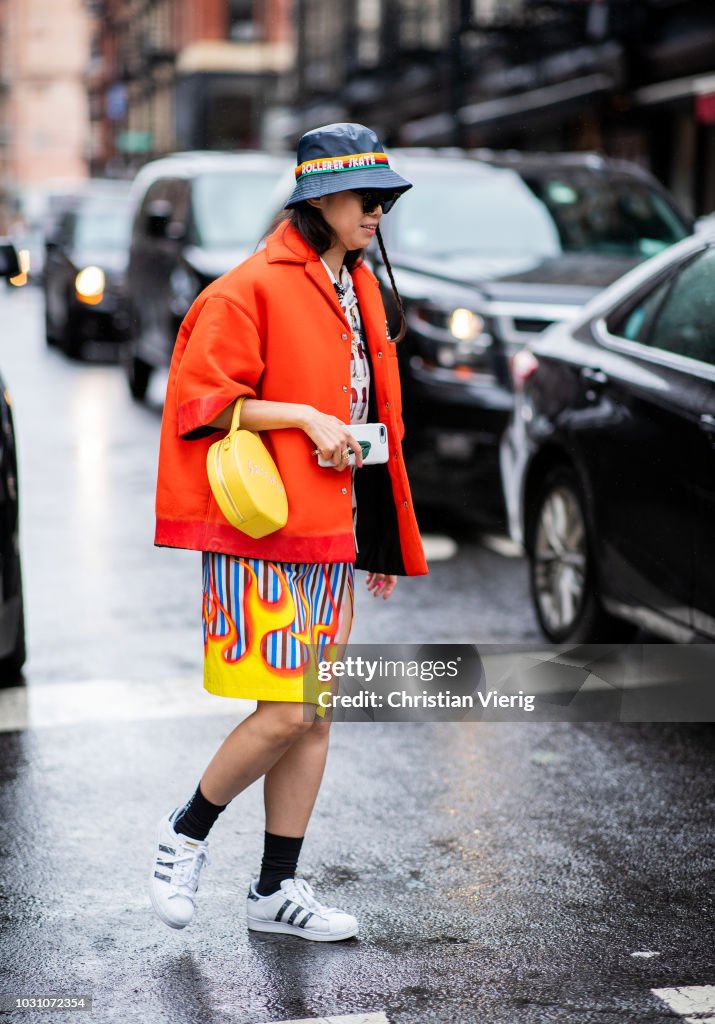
(272, 328)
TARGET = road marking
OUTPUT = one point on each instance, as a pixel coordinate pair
(645, 954)
(438, 548)
(42, 706)
(351, 1018)
(501, 545)
(695, 1002)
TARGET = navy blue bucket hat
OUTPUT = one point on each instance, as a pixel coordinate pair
(339, 157)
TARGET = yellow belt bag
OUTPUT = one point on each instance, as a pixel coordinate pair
(245, 481)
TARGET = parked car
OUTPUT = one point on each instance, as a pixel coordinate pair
(197, 215)
(609, 460)
(489, 249)
(84, 278)
(12, 618)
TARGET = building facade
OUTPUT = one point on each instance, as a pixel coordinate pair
(629, 78)
(176, 74)
(44, 116)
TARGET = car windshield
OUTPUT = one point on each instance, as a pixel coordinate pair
(231, 208)
(103, 226)
(494, 212)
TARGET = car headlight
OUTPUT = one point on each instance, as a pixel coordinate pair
(465, 325)
(89, 285)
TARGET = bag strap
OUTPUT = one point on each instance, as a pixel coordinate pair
(236, 418)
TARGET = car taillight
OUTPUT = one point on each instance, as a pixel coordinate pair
(524, 364)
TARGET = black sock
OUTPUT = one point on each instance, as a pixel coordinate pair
(280, 859)
(196, 818)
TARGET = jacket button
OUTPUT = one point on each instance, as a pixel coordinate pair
(345, 387)
(404, 503)
(345, 491)
(344, 337)
(379, 355)
(387, 405)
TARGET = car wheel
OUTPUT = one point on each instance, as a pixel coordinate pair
(564, 586)
(138, 375)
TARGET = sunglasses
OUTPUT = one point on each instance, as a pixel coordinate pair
(372, 198)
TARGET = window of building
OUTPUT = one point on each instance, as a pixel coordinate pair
(242, 21)
(424, 24)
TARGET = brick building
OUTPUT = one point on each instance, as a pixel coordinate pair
(176, 74)
(44, 117)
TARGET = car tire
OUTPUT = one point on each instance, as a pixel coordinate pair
(139, 374)
(562, 576)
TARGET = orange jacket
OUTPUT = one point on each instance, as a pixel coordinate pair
(272, 328)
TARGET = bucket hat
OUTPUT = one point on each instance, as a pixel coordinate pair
(339, 157)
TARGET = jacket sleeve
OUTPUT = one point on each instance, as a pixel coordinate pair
(221, 361)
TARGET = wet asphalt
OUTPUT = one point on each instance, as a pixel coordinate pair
(501, 872)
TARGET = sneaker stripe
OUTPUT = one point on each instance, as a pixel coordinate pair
(164, 878)
(164, 863)
(303, 923)
(280, 913)
(298, 910)
(167, 849)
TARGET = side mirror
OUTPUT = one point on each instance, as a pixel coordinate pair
(9, 260)
(158, 217)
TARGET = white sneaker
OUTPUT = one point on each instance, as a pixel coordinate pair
(294, 910)
(175, 874)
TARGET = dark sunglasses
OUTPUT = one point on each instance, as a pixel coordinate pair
(372, 198)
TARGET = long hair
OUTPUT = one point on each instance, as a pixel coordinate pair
(312, 226)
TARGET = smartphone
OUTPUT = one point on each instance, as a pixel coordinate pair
(373, 442)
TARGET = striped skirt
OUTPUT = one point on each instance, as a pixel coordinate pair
(268, 624)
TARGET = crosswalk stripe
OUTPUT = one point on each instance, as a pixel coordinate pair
(696, 1003)
(44, 705)
(351, 1018)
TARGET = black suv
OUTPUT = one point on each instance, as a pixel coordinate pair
(197, 215)
(489, 249)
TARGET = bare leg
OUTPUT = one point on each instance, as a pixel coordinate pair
(252, 748)
(291, 786)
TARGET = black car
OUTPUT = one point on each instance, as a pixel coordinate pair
(197, 215)
(609, 461)
(12, 618)
(490, 249)
(84, 276)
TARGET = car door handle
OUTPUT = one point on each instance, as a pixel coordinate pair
(594, 376)
(707, 423)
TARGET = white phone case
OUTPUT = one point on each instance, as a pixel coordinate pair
(372, 434)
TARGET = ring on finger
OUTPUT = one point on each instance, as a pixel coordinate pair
(345, 454)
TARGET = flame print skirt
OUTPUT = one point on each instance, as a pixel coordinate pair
(268, 624)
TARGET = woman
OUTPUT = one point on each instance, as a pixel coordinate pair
(298, 332)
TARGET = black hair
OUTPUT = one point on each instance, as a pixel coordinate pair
(309, 222)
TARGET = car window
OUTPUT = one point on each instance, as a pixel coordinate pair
(610, 215)
(482, 213)
(499, 213)
(157, 190)
(635, 323)
(103, 225)
(685, 324)
(230, 209)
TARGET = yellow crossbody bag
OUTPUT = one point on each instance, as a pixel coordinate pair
(245, 481)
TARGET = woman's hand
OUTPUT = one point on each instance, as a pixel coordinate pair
(331, 437)
(381, 584)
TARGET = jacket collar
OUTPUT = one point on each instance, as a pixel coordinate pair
(287, 245)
